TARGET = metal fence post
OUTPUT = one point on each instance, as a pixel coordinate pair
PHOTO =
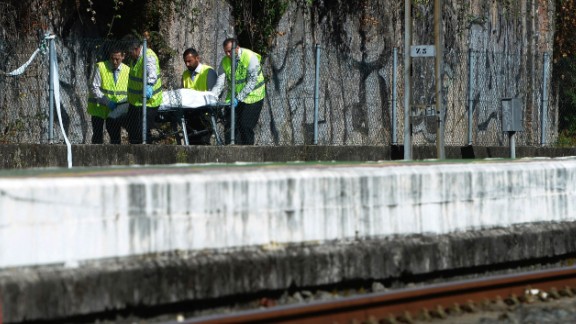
(144, 83)
(470, 96)
(439, 69)
(512, 140)
(544, 105)
(316, 93)
(394, 97)
(52, 58)
(407, 62)
(233, 96)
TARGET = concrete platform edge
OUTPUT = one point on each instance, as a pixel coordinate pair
(55, 292)
(18, 156)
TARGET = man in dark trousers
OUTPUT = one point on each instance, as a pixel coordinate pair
(109, 88)
(152, 85)
(199, 77)
(250, 89)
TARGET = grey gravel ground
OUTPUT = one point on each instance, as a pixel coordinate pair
(552, 311)
(562, 310)
(538, 310)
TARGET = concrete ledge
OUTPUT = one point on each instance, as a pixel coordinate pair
(54, 293)
(105, 213)
(18, 156)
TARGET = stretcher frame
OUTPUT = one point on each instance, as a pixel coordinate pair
(211, 109)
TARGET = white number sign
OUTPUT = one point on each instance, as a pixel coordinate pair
(422, 51)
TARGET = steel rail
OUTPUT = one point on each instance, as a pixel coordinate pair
(398, 303)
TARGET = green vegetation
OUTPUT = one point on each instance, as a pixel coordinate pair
(564, 70)
(181, 156)
(256, 21)
(116, 7)
(566, 139)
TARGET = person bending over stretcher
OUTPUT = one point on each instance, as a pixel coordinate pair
(152, 87)
(250, 89)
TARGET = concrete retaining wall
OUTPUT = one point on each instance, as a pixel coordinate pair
(165, 279)
(67, 220)
(92, 234)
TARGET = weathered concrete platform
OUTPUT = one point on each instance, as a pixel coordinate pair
(92, 240)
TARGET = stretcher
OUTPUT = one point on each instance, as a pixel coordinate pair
(180, 101)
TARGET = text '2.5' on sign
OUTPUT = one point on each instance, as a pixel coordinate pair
(422, 51)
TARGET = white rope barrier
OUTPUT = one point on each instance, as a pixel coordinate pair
(21, 69)
(56, 82)
(55, 79)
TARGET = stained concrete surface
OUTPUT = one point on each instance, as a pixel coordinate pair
(59, 290)
(151, 280)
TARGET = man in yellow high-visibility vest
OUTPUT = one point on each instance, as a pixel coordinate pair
(153, 86)
(109, 88)
(199, 77)
(250, 89)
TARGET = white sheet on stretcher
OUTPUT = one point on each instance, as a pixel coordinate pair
(186, 98)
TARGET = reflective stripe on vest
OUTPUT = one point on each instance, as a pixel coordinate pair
(259, 91)
(200, 82)
(135, 84)
(115, 91)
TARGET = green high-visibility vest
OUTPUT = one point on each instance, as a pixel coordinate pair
(135, 84)
(259, 91)
(115, 91)
(200, 82)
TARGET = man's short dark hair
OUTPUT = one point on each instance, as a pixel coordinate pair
(230, 40)
(115, 49)
(189, 50)
(131, 42)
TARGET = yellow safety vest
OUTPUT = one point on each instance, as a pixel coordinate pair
(259, 91)
(115, 91)
(200, 80)
(135, 84)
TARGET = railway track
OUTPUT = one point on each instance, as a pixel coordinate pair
(427, 302)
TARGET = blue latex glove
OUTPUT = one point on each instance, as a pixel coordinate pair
(149, 91)
(235, 103)
(112, 105)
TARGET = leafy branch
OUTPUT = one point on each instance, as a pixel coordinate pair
(116, 8)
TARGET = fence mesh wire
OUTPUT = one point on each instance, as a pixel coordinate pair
(357, 102)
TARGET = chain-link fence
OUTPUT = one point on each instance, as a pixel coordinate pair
(315, 95)
(565, 83)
